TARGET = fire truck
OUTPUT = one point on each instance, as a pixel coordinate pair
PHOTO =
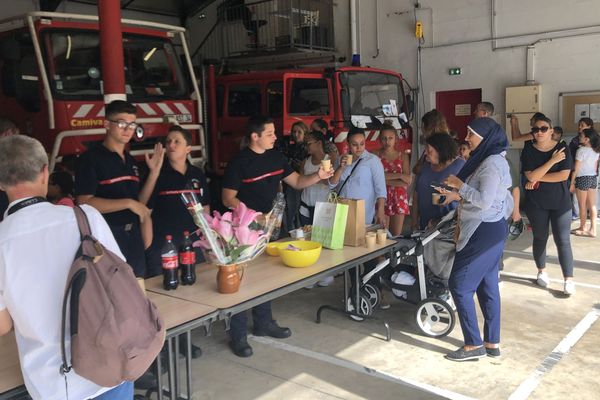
(343, 97)
(51, 81)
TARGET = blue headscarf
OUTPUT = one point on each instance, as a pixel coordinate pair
(494, 142)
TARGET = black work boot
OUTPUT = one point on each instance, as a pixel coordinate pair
(240, 347)
(273, 330)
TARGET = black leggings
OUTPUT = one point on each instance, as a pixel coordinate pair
(561, 232)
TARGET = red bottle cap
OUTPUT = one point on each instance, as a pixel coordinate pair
(186, 233)
(169, 237)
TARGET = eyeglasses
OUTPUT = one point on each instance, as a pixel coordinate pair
(308, 143)
(124, 124)
(542, 129)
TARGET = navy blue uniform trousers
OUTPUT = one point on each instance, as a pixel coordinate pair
(475, 270)
(262, 316)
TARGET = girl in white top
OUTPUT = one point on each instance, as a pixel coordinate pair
(319, 192)
(584, 180)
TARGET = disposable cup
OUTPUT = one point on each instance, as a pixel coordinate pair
(349, 159)
(326, 165)
(371, 240)
(381, 236)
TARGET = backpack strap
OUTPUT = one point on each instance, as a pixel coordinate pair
(82, 222)
(85, 234)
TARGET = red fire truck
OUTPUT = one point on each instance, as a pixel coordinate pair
(51, 81)
(343, 97)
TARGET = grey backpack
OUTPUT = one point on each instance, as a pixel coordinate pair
(115, 330)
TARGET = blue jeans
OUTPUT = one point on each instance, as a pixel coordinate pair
(122, 392)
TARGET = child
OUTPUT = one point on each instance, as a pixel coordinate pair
(464, 151)
(60, 188)
(584, 180)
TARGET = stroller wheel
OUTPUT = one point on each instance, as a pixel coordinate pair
(373, 293)
(435, 318)
(364, 307)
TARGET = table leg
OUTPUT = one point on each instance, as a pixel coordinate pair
(188, 363)
(172, 393)
(176, 368)
(159, 376)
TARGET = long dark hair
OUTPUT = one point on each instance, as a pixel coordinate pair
(591, 134)
(445, 146)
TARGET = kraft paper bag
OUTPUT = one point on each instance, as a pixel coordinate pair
(329, 224)
(355, 234)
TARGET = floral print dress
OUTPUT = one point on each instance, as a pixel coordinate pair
(397, 197)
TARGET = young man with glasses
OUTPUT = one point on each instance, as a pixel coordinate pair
(107, 178)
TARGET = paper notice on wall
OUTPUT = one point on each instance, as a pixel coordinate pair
(595, 112)
(462, 110)
(403, 117)
(581, 111)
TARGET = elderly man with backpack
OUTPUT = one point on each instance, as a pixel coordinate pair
(38, 246)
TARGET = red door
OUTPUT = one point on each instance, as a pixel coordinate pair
(458, 107)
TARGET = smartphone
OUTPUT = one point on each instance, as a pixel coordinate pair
(435, 184)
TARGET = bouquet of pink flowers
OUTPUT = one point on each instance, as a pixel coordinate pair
(232, 238)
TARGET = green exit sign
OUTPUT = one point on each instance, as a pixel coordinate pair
(454, 71)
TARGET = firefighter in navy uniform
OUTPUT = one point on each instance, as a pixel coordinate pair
(253, 177)
(162, 193)
(107, 178)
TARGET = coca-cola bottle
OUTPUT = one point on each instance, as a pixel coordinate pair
(187, 260)
(170, 264)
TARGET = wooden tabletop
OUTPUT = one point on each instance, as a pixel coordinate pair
(262, 275)
(174, 312)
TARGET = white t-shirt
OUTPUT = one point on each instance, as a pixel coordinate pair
(588, 160)
(37, 247)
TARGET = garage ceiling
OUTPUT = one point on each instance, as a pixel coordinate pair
(182, 9)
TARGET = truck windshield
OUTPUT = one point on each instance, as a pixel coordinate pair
(372, 93)
(152, 68)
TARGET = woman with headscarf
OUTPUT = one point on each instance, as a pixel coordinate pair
(485, 204)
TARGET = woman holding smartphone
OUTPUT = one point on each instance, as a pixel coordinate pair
(547, 165)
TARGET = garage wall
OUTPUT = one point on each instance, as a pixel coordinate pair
(458, 33)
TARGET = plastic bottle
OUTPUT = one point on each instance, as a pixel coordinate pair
(277, 215)
(187, 260)
(170, 264)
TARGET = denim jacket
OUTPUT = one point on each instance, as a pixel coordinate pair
(485, 197)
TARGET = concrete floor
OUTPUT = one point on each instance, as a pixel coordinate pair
(343, 359)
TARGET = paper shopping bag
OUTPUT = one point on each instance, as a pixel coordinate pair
(355, 224)
(329, 224)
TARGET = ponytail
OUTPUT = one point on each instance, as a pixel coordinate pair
(594, 138)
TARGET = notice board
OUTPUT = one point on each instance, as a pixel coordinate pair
(574, 105)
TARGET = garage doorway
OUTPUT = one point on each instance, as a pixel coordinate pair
(458, 107)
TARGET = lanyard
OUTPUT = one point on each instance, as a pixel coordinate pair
(25, 203)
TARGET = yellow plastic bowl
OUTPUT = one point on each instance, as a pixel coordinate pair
(307, 256)
(273, 249)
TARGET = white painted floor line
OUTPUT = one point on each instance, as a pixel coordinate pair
(530, 384)
(560, 281)
(553, 258)
(360, 368)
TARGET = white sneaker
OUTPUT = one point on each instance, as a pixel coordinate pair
(569, 287)
(325, 282)
(542, 279)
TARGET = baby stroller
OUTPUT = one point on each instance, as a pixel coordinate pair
(409, 279)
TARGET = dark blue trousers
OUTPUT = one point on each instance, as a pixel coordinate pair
(475, 270)
(261, 316)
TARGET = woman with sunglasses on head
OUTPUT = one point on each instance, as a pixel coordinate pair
(547, 165)
(481, 186)
(396, 165)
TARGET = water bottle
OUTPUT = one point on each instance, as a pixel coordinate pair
(170, 264)
(277, 215)
(187, 260)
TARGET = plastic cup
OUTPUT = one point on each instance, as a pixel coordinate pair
(370, 240)
(326, 165)
(381, 236)
(348, 159)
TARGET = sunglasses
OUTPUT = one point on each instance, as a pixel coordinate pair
(542, 129)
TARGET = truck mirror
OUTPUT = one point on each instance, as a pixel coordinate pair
(410, 104)
(10, 50)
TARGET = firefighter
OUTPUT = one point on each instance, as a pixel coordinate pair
(108, 179)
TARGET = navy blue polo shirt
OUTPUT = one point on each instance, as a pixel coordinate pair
(103, 173)
(169, 214)
(256, 177)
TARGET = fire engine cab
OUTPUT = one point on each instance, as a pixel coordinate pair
(51, 81)
(344, 97)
